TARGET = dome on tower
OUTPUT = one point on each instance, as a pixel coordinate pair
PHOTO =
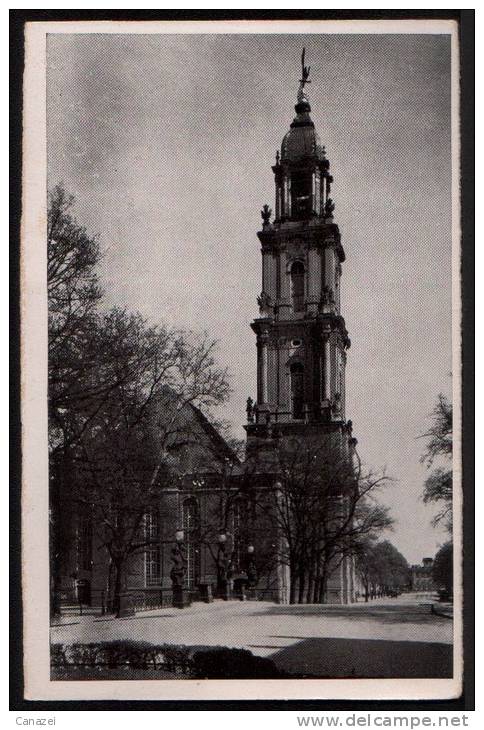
(302, 140)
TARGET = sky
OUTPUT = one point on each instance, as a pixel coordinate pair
(167, 142)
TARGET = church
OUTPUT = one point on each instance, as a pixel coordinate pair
(213, 522)
(301, 336)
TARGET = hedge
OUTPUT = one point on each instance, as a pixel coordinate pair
(197, 662)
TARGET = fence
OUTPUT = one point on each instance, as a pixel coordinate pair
(69, 601)
(262, 594)
(66, 602)
(147, 599)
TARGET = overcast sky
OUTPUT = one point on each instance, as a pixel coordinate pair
(167, 144)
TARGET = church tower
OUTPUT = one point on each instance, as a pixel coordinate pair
(301, 335)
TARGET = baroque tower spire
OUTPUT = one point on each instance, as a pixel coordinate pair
(301, 335)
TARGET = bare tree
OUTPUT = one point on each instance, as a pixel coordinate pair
(382, 569)
(73, 295)
(323, 507)
(134, 446)
(438, 485)
(118, 391)
(443, 569)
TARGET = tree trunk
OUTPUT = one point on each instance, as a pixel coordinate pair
(109, 586)
(55, 583)
(310, 588)
(293, 582)
(317, 581)
(60, 524)
(316, 589)
(323, 585)
(119, 565)
(302, 582)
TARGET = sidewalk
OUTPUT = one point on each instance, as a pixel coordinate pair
(355, 640)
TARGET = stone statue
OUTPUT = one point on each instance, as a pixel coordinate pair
(266, 213)
(178, 570)
(230, 567)
(327, 296)
(222, 567)
(337, 404)
(264, 303)
(251, 573)
(328, 208)
(268, 425)
(250, 408)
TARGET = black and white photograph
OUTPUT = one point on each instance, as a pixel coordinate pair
(241, 284)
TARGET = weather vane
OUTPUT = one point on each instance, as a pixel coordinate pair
(305, 71)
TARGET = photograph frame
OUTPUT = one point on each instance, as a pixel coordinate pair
(465, 19)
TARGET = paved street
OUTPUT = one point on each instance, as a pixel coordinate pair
(389, 637)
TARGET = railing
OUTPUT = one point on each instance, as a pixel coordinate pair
(262, 594)
(66, 602)
(148, 599)
(69, 601)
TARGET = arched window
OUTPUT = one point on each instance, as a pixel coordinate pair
(301, 197)
(297, 390)
(297, 286)
(191, 530)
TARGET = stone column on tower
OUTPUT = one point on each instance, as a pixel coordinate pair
(284, 300)
(264, 356)
(314, 280)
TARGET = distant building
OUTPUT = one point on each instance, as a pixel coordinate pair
(422, 580)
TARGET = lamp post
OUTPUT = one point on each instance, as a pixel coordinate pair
(252, 576)
(224, 566)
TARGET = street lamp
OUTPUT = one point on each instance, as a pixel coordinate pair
(252, 576)
(223, 566)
